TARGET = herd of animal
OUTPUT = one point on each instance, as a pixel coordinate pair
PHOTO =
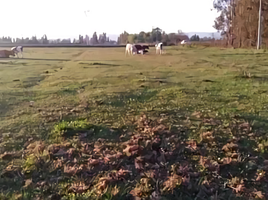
(132, 49)
(12, 52)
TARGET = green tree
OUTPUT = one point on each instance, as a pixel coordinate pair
(141, 37)
(148, 37)
(194, 38)
(131, 38)
(165, 38)
(156, 34)
(173, 37)
(123, 38)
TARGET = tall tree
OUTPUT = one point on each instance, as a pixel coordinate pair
(102, 38)
(223, 23)
(44, 39)
(246, 22)
(123, 38)
(34, 40)
(94, 38)
(157, 34)
(141, 37)
(165, 38)
(194, 38)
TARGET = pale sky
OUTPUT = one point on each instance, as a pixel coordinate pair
(67, 18)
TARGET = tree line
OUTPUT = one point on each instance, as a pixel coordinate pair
(102, 39)
(95, 39)
(27, 40)
(156, 35)
(238, 21)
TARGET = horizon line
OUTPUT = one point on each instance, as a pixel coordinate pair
(111, 34)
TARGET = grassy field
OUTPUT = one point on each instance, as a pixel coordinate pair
(93, 124)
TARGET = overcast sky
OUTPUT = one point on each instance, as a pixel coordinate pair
(67, 18)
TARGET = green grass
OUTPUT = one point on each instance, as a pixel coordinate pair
(101, 92)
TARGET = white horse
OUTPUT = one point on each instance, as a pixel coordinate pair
(17, 50)
(130, 49)
(159, 47)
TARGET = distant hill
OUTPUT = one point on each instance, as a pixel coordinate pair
(204, 34)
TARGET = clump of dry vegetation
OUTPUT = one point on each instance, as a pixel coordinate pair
(151, 161)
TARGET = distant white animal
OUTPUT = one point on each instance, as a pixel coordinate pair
(183, 42)
(159, 47)
(130, 49)
(17, 50)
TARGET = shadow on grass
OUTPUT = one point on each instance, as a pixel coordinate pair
(122, 99)
(256, 120)
(253, 78)
(43, 59)
(46, 59)
(10, 62)
(67, 92)
(4, 108)
(98, 63)
(30, 82)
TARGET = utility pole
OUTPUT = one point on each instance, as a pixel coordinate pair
(259, 28)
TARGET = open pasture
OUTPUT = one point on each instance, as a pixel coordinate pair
(213, 102)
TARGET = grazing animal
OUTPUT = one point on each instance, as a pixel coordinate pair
(6, 53)
(141, 49)
(130, 49)
(159, 47)
(145, 47)
(17, 50)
